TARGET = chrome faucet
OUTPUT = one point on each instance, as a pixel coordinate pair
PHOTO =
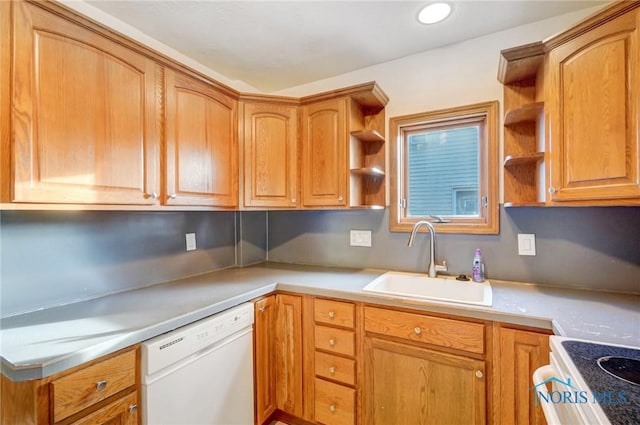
(433, 267)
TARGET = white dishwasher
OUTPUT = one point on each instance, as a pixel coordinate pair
(202, 373)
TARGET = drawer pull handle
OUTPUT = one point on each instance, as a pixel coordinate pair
(261, 309)
(332, 370)
(133, 408)
(332, 314)
(332, 408)
(479, 374)
(101, 385)
(332, 342)
(417, 330)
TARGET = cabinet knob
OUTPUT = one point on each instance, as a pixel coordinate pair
(417, 330)
(152, 195)
(552, 190)
(101, 385)
(173, 196)
(332, 314)
(261, 309)
(479, 374)
(133, 408)
(332, 408)
(332, 342)
(340, 198)
(294, 200)
(332, 370)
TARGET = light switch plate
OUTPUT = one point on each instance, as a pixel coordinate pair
(526, 244)
(360, 238)
(191, 241)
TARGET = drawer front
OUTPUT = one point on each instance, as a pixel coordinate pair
(447, 333)
(81, 389)
(334, 313)
(339, 341)
(336, 368)
(334, 404)
(123, 411)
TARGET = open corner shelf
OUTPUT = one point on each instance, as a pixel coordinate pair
(368, 136)
(515, 160)
(525, 113)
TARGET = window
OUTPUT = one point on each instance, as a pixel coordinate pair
(444, 164)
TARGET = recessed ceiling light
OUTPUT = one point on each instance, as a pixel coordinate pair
(434, 12)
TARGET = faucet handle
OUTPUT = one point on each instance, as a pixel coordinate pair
(442, 267)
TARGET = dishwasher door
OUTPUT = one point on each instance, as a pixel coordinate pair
(213, 386)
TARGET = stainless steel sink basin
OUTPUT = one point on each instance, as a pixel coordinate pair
(420, 286)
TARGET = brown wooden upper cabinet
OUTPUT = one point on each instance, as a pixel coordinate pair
(201, 144)
(593, 97)
(324, 153)
(572, 108)
(84, 119)
(269, 134)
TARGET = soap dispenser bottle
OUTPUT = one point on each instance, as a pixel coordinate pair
(477, 271)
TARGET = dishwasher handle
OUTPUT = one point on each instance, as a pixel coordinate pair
(540, 375)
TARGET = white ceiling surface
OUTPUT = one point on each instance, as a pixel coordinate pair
(274, 45)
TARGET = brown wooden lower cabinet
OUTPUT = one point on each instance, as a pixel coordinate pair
(104, 391)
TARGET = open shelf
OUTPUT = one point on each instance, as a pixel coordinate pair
(368, 136)
(525, 113)
(516, 160)
(367, 171)
(523, 204)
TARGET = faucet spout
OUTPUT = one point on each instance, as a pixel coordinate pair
(432, 245)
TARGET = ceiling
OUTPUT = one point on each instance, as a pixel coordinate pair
(273, 45)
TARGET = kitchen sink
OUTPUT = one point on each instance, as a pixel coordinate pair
(420, 286)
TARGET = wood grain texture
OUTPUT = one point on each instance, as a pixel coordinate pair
(448, 333)
(324, 148)
(520, 354)
(336, 313)
(594, 147)
(334, 340)
(289, 360)
(265, 358)
(123, 411)
(334, 404)
(5, 102)
(270, 155)
(84, 115)
(79, 390)
(335, 368)
(201, 144)
(412, 386)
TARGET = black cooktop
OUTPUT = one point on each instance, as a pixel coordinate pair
(597, 364)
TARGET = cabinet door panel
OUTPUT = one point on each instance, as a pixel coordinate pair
(85, 116)
(265, 368)
(201, 144)
(289, 388)
(412, 386)
(324, 153)
(594, 140)
(270, 155)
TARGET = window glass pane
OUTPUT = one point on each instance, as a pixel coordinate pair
(443, 172)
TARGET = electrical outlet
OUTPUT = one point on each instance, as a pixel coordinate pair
(191, 241)
(526, 244)
(360, 238)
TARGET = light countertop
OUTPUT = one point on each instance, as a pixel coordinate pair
(44, 342)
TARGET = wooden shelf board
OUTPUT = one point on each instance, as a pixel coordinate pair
(368, 136)
(523, 204)
(525, 113)
(367, 207)
(368, 171)
(515, 160)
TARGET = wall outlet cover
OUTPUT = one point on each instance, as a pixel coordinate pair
(360, 238)
(191, 241)
(526, 244)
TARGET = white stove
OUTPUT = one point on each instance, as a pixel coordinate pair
(589, 383)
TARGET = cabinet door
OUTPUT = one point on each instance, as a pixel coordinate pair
(265, 361)
(289, 389)
(202, 155)
(413, 386)
(594, 95)
(324, 154)
(85, 115)
(521, 353)
(270, 141)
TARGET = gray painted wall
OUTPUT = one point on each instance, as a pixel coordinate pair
(594, 248)
(52, 258)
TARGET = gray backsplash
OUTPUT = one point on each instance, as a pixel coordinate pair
(594, 248)
(52, 258)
